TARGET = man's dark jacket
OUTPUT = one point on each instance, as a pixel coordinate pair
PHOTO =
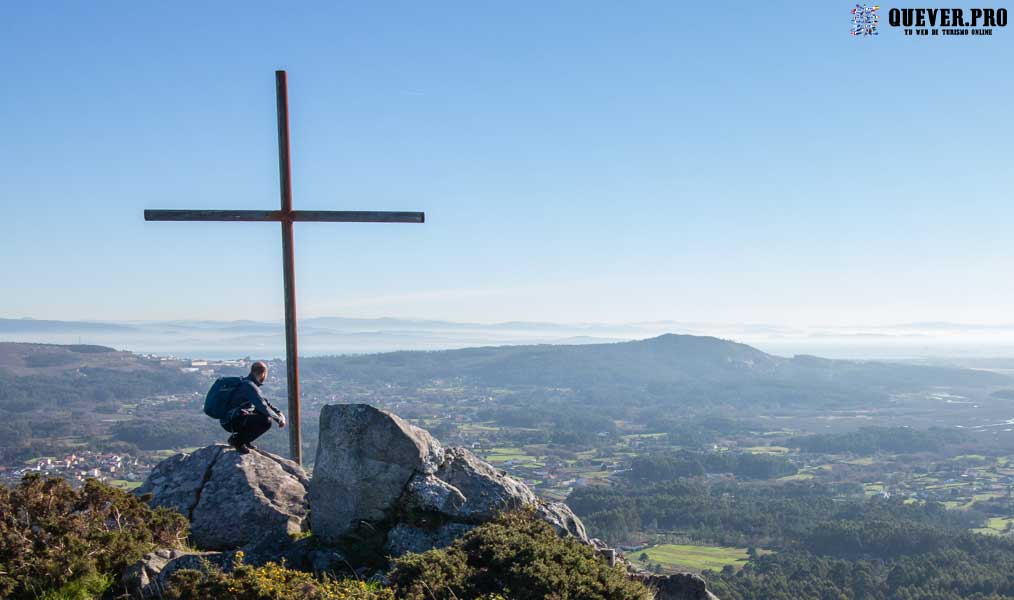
(248, 398)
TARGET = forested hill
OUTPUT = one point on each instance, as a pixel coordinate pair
(668, 368)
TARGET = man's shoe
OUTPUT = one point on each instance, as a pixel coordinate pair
(249, 446)
(232, 440)
(243, 449)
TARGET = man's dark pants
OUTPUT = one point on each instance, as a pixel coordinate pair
(248, 427)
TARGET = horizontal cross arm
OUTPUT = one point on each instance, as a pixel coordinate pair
(357, 216)
(212, 215)
(317, 216)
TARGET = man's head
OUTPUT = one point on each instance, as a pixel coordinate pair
(259, 371)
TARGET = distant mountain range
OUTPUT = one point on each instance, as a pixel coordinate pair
(664, 359)
(669, 369)
(343, 335)
(326, 335)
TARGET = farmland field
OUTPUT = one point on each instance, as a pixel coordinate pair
(694, 558)
(996, 525)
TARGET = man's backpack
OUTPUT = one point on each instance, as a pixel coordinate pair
(219, 399)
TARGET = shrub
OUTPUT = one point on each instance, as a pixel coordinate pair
(517, 556)
(85, 588)
(52, 535)
(271, 581)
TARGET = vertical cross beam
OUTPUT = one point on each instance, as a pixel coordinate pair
(286, 216)
(288, 268)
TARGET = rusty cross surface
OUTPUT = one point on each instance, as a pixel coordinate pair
(286, 216)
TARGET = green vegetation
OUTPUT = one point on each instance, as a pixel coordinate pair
(870, 440)
(505, 454)
(87, 587)
(48, 412)
(685, 463)
(156, 434)
(62, 541)
(269, 582)
(829, 542)
(766, 450)
(996, 526)
(66, 544)
(124, 484)
(947, 574)
(518, 557)
(515, 556)
(676, 557)
(866, 460)
(694, 445)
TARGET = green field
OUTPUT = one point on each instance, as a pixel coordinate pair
(476, 427)
(124, 484)
(866, 460)
(976, 457)
(505, 454)
(995, 526)
(32, 461)
(767, 450)
(635, 436)
(675, 557)
(797, 477)
(999, 523)
(873, 488)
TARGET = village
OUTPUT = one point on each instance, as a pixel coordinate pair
(122, 470)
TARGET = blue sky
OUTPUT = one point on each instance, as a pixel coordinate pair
(577, 161)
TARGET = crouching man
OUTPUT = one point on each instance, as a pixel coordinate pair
(250, 414)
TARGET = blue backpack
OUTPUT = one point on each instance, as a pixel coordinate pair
(219, 399)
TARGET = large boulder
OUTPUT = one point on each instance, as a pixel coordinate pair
(231, 499)
(486, 490)
(380, 480)
(365, 458)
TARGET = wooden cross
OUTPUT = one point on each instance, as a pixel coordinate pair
(286, 216)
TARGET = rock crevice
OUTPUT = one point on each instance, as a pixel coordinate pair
(204, 481)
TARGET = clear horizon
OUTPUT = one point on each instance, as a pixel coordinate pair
(340, 335)
(576, 163)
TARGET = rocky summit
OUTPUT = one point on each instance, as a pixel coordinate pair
(231, 499)
(382, 481)
(381, 488)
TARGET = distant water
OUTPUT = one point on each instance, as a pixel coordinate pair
(884, 350)
(215, 353)
(849, 351)
(219, 347)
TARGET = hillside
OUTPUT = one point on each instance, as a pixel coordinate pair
(60, 397)
(52, 359)
(672, 368)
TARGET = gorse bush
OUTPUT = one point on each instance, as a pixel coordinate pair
(58, 543)
(88, 587)
(269, 582)
(515, 557)
(53, 537)
(518, 557)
